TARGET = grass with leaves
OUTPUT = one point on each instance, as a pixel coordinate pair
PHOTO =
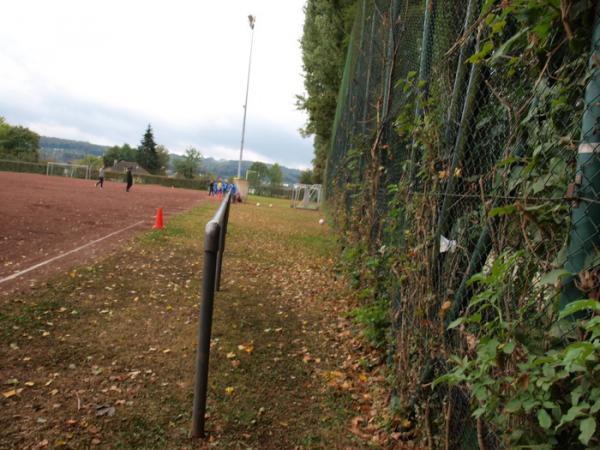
(104, 355)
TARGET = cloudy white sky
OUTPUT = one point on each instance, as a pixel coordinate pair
(101, 70)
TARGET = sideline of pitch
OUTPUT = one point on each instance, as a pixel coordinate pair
(43, 263)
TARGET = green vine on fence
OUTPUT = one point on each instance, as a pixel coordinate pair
(533, 373)
(484, 172)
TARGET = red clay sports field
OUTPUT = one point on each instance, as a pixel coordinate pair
(49, 224)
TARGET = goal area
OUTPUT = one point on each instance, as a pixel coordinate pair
(306, 196)
(68, 170)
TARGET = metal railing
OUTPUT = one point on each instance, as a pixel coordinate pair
(214, 245)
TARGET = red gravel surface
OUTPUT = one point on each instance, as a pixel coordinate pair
(42, 217)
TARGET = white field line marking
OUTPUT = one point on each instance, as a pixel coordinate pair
(18, 274)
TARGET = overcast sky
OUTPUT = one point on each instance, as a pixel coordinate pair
(100, 71)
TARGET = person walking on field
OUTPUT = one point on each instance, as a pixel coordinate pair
(100, 178)
(219, 189)
(129, 178)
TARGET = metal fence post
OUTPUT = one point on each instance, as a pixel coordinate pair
(584, 239)
(223, 223)
(211, 246)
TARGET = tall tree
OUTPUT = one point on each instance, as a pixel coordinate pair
(275, 174)
(163, 159)
(189, 165)
(94, 162)
(327, 27)
(117, 153)
(306, 177)
(147, 156)
(258, 173)
(18, 142)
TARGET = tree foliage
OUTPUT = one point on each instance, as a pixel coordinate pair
(147, 155)
(306, 177)
(162, 153)
(118, 153)
(94, 162)
(189, 165)
(327, 26)
(275, 174)
(258, 173)
(18, 143)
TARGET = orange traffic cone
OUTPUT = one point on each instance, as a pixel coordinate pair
(158, 223)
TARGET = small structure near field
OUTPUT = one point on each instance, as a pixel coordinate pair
(122, 165)
(307, 196)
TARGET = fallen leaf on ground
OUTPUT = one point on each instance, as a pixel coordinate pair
(104, 410)
(9, 394)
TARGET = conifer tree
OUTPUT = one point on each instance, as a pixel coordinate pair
(147, 157)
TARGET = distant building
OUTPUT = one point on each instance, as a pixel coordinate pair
(122, 165)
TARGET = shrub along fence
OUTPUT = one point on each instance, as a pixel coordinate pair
(464, 178)
(267, 190)
(22, 166)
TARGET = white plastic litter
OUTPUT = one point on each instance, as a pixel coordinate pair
(447, 245)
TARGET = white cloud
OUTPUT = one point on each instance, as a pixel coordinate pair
(220, 152)
(180, 65)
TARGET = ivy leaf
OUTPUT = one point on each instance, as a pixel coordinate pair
(544, 419)
(447, 378)
(508, 348)
(588, 428)
(480, 55)
(579, 305)
(456, 323)
(502, 211)
(554, 276)
(513, 406)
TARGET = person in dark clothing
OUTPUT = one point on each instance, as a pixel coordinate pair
(129, 179)
(211, 191)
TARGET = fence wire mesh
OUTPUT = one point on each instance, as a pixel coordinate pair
(462, 174)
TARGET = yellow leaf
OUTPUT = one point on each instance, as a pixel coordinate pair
(230, 355)
(9, 394)
(229, 390)
(248, 348)
(29, 383)
(346, 385)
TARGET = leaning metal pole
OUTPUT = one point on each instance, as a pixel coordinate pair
(584, 240)
(211, 248)
(239, 171)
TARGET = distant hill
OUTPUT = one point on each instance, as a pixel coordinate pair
(67, 150)
(228, 168)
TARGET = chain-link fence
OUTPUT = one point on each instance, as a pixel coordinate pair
(464, 168)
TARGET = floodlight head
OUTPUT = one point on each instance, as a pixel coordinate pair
(251, 20)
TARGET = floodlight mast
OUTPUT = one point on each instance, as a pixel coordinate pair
(251, 21)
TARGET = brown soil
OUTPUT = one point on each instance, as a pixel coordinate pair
(42, 217)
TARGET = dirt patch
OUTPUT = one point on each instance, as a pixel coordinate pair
(43, 217)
